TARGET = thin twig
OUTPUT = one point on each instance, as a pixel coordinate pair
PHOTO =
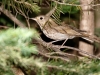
(75, 4)
(60, 53)
(76, 49)
(61, 68)
(14, 19)
(23, 2)
(27, 19)
(54, 57)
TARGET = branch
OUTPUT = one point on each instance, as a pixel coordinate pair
(61, 68)
(43, 51)
(75, 4)
(27, 19)
(54, 57)
(14, 19)
(23, 2)
(56, 48)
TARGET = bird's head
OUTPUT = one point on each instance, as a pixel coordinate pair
(41, 20)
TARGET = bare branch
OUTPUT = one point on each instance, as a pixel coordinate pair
(56, 48)
(75, 4)
(14, 19)
(21, 2)
(5, 27)
(27, 18)
(45, 52)
(61, 68)
(54, 57)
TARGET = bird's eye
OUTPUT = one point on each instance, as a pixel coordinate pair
(41, 18)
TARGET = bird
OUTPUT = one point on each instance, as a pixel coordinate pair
(63, 31)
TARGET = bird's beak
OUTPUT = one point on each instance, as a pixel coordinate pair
(33, 18)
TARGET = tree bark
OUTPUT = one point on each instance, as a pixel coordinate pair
(97, 15)
(87, 24)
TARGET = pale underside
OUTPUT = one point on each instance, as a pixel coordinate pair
(57, 35)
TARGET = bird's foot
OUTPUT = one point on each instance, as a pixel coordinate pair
(49, 44)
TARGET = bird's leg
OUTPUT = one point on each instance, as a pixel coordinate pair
(63, 43)
(54, 41)
(57, 41)
(50, 43)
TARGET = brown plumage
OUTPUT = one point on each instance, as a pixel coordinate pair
(61, 32)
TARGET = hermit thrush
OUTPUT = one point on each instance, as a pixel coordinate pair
(60, 32)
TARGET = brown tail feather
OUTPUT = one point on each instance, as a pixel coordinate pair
(91, 37)
(95, 38)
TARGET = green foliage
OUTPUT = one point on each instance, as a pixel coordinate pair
(82, 67)
(5, 21)
(15, 49)
(20, 6)
(97, 33)
(64, 8)
(68, 8)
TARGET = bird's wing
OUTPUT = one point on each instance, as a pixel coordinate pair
(72, 27)
(78, 30)
(67, 30)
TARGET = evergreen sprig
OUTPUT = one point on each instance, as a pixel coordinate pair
(16, 49)
(21, 5)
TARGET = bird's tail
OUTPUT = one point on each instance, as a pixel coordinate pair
(94, 38)
(91, 38)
